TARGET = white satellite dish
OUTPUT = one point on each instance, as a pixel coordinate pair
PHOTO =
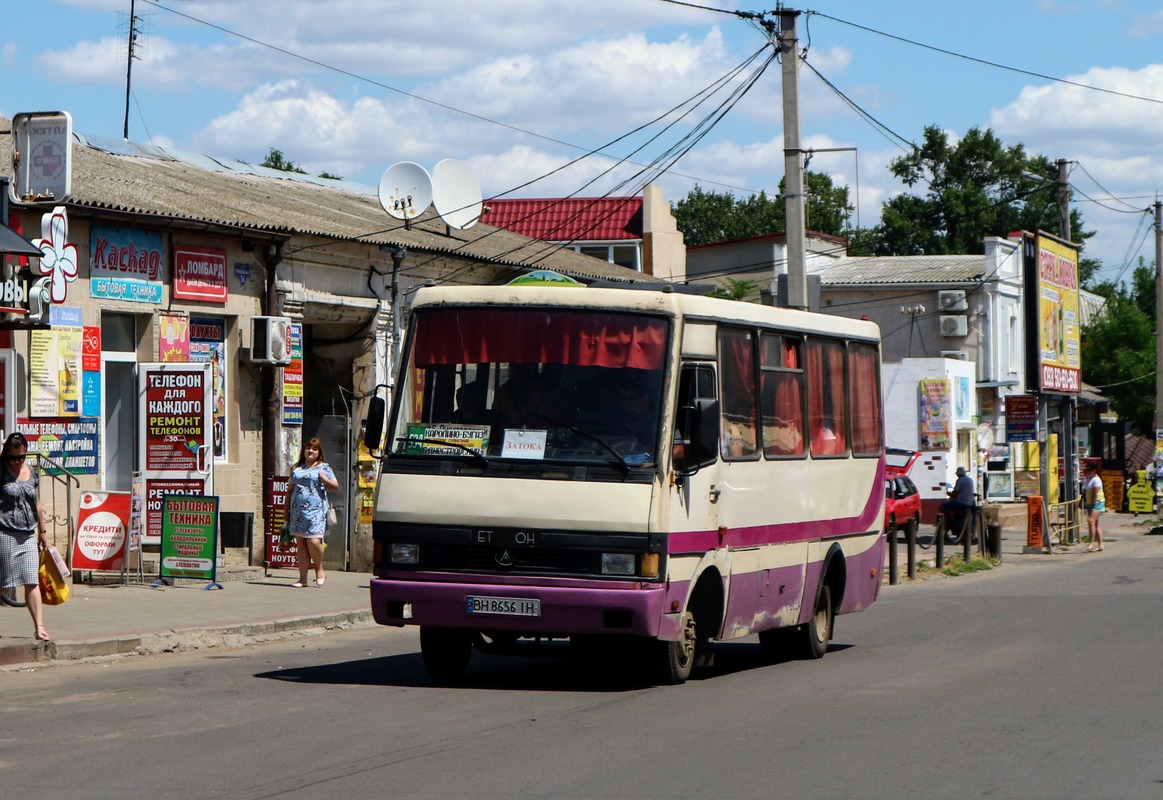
(456, 194)
(405, 190)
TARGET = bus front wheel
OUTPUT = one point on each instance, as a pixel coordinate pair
(818, 630)
(445, 652)
(673, 661)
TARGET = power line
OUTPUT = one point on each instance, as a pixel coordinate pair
(348, 73)
(987, 63)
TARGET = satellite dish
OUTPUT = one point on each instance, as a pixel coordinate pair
(405, 190)
(456, 193)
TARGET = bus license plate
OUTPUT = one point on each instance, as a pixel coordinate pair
(504, 606)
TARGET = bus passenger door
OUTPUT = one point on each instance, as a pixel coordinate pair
(694, 490)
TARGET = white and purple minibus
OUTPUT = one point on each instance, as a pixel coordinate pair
(633, 466)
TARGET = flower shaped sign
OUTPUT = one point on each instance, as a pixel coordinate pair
(58, 259)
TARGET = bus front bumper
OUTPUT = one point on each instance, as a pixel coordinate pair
(584, 607)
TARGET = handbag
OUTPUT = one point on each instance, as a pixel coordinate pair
(332, 519)
(54, 590)
(286, 540)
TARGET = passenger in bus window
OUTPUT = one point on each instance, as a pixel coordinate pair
(472, 404)
(521, 398)
(635, 417)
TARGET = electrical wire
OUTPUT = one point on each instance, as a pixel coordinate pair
(985, 62)
(388, 87)
(1110, 195)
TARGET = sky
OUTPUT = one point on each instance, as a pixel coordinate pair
(530, 94)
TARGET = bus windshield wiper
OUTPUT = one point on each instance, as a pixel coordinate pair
(621, 464)
(443, 443)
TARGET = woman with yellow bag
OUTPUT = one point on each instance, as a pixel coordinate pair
(22, 527)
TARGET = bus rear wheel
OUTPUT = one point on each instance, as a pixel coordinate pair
(445, 652)
(673, 661)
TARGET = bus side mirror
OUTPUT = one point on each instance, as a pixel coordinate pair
(700, 445)
(373, 427)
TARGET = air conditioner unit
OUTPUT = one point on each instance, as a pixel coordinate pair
(954, 325)
(952, 300)
(957, 355)
(270, 340)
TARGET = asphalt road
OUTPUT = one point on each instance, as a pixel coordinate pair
(1036, 680)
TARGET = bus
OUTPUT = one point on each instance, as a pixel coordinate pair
(645, 471)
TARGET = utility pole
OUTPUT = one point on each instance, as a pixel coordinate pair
(129, 64)
(1069, 403)
(1158, 319)
(793, 168)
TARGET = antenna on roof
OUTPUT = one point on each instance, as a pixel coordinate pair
(456, 194)
(131, 54)
(405, 191)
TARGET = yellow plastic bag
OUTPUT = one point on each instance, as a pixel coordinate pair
(54, 589)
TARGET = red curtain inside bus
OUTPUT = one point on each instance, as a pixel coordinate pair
(828, 425)
(494, 335)
(781, 396)
(864, 399)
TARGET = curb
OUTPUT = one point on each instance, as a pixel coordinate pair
(186, 640)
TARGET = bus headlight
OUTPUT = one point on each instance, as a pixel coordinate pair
(405, 554)
(617, 564)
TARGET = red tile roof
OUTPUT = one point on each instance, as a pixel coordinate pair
(574, 219)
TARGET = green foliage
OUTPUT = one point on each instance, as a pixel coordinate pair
(708, 217)
(956, 565)
(738, 290)
(975, 188)
(275, 160)
(1118, 348)
(330, 177)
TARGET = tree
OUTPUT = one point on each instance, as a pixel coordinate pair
(275, 160)
(708, 217)
(737, 290)
(1118, 348)
(975, 188)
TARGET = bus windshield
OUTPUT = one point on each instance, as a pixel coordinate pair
(563, 385)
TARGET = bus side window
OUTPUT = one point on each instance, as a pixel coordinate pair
(827, 415)
(696, 430)
(738, 393)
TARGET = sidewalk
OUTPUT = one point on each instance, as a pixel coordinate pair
(1115, 526)
(105, 620)
(112, 619)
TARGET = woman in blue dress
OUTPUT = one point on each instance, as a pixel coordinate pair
(311, 479)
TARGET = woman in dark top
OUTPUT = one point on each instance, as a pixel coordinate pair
(22, 527)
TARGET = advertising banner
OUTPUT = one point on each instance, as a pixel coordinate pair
(156, 490)
(70, 442)
(189, 546)
(54, 365)
(1052, 292)
(293, 378)
(102, 531)
(173, 338)
(936, 419)
(208, 345)
(199, 274)
(126, 265)
(174, 436)
(1021, 418)
(277, 490)
(175, 418)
